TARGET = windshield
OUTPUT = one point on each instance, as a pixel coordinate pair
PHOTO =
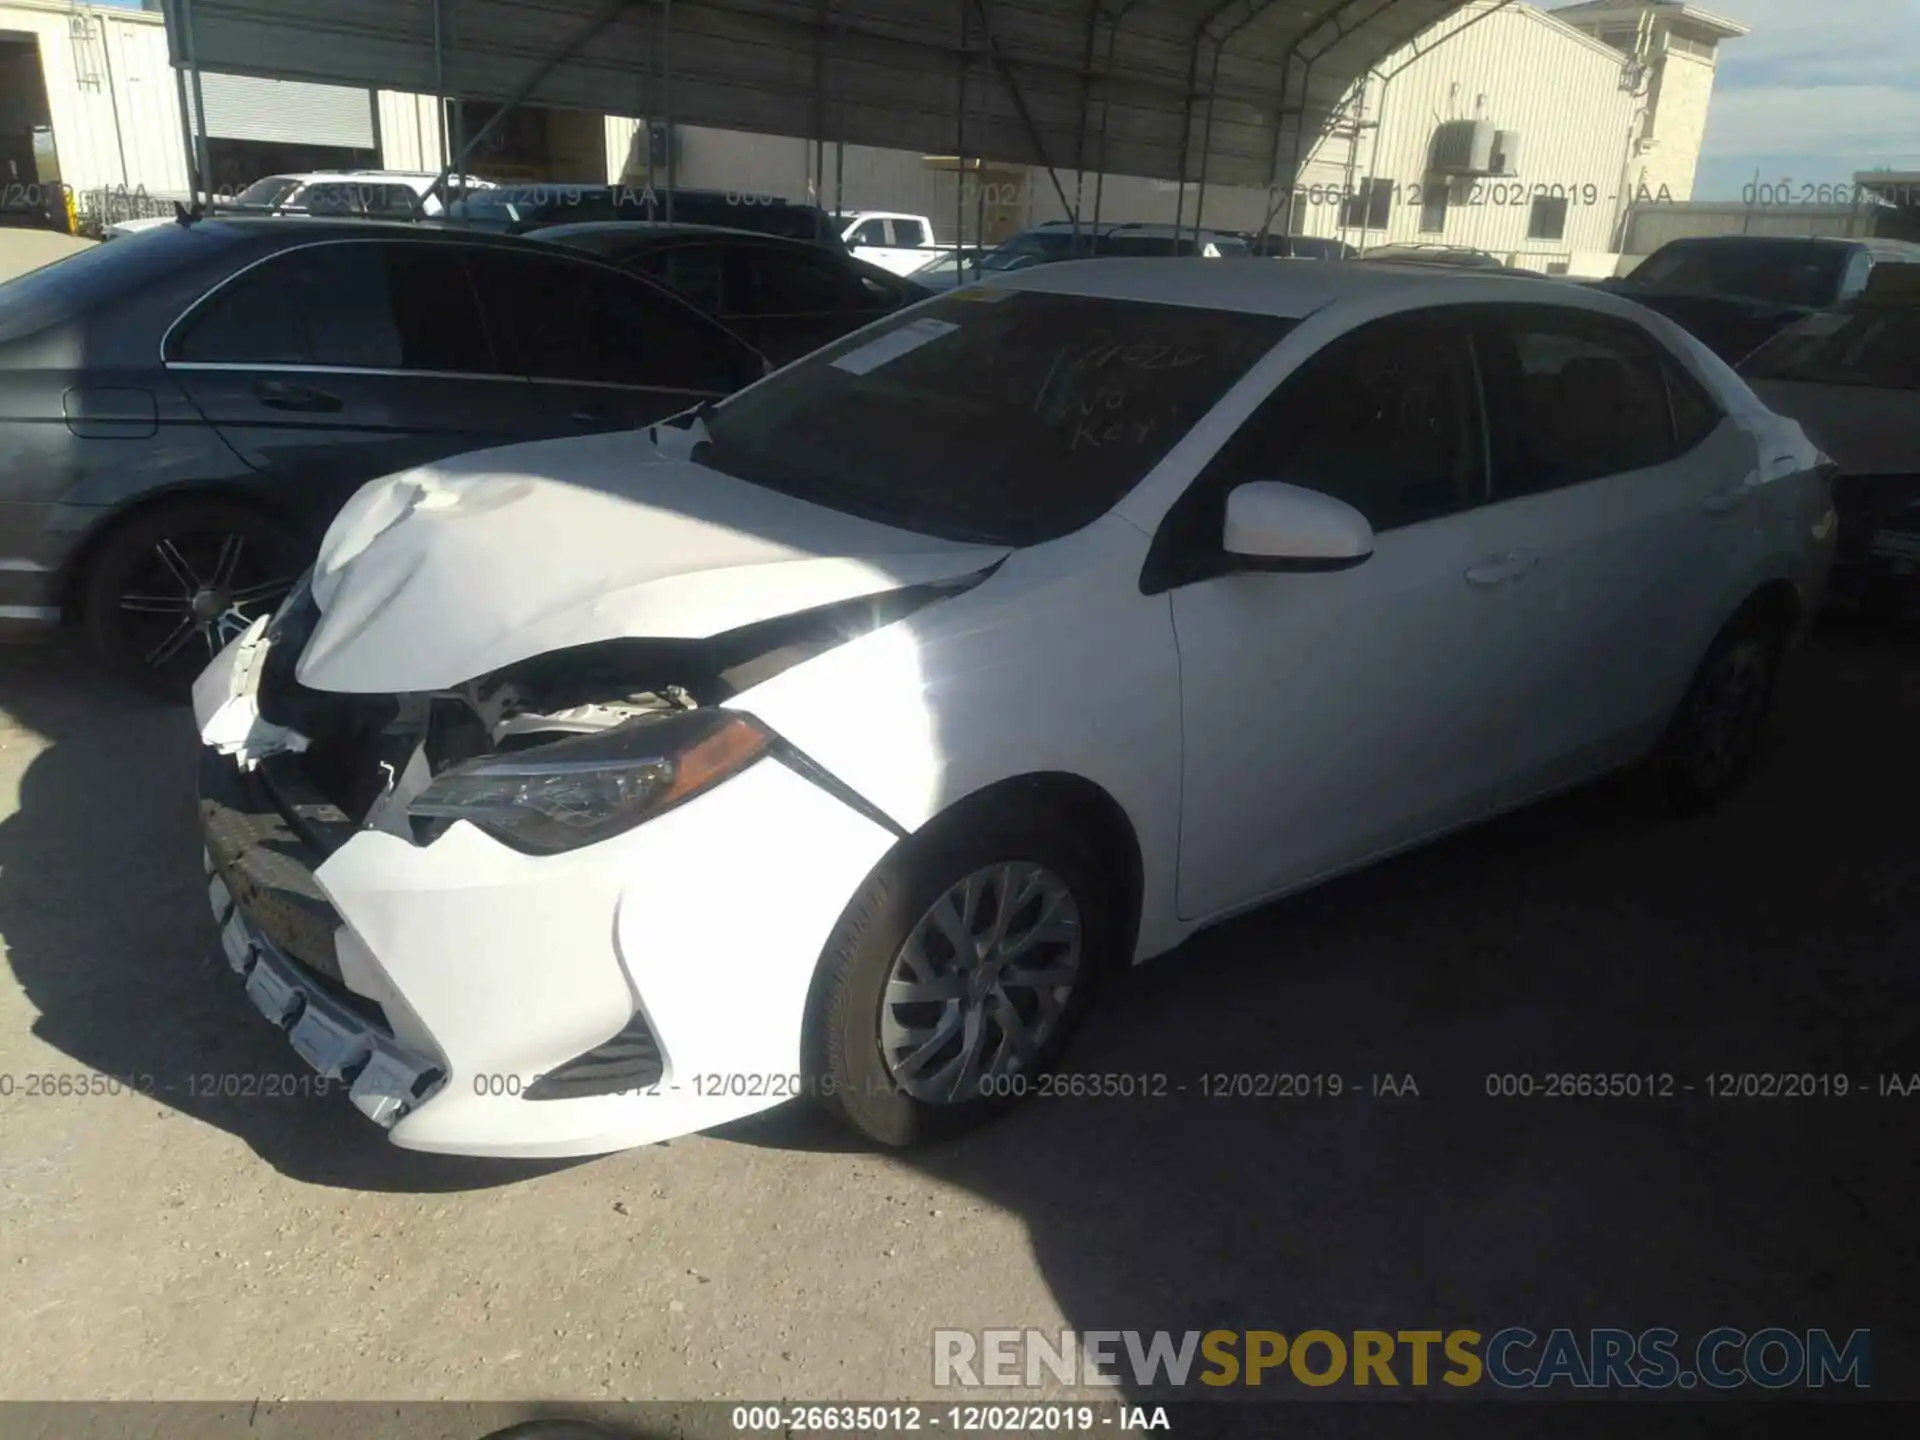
(1779, 274)
(1872, 347)
(270, 191)
(1004, 417)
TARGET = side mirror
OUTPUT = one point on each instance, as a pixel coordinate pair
(1274, 526)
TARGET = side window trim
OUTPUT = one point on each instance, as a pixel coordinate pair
(207, 297)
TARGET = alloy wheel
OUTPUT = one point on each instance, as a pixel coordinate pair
(194, 592)
(981, 983)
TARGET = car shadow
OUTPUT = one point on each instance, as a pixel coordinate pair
(1587, 935)
(105, 918)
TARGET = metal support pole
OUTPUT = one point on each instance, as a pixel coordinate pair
(197, 131)
(533, 82)
(186, 136)
(666, 93)
(1080, 139)
(113, 96)
(999, 63)
(439, 88)
(960, 130)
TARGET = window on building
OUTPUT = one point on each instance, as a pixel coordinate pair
(1548, 221)
(1371, 208)
(1433, 207)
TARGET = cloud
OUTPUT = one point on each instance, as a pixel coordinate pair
(1832, 84)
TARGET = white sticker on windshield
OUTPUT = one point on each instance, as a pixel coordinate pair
(893, 345)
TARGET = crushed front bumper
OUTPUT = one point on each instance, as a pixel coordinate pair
(482, 1001)
(341, 1042)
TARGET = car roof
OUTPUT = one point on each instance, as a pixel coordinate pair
(1290, 291)
(306, 230)
(642, 232)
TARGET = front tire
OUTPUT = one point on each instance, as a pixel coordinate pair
(1717, 733)
(956, 976)
(168, 589)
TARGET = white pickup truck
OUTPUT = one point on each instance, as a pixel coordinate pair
(900, 243)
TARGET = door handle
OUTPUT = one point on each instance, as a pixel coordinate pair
(1499, 569)
(280, 395)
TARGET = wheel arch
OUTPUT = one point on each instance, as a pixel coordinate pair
(70, 582)
(1091, 807)
(1775, 606)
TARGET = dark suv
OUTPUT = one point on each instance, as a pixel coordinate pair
(184, 410)
(1736, 292)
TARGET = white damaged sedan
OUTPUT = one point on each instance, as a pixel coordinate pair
(836, 740)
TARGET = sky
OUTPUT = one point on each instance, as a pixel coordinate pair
(1820, 89)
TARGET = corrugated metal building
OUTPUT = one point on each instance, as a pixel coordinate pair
(1505, 128)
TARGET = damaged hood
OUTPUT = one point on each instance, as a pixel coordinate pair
(435, 576)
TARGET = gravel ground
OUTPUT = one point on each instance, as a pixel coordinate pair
(184, 1246)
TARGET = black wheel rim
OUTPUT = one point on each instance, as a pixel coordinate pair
(193, 592)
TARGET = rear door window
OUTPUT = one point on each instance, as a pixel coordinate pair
(1580, 396)
(364, 306)
(692, 271)
(910, 233)
(583, 323)
(783, 282)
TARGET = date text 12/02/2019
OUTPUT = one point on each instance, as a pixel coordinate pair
(1381, 195)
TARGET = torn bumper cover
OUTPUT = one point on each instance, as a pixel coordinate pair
(481, 1000)
(278, 930)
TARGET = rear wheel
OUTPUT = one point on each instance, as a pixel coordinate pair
(170, 588)
(957, 975)
(1717, 733)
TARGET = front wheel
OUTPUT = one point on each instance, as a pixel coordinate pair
(955, 978)
(170, 588)
(1717, 732)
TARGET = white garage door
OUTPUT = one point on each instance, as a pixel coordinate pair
(291, 112)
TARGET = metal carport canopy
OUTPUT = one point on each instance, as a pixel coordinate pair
(1230, 90)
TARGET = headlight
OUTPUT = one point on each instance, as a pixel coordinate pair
(575, 792)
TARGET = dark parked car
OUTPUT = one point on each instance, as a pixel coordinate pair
(1452, 257)
(182, 411)
(786, 298)
(1295, 247)
(518, 209)
(1058, 240)
(1736, 292)
(1851, 377)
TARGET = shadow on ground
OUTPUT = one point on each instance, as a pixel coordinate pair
(106, 923)
(1587, 935)
(1590, 934)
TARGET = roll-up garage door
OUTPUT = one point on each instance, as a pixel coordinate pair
(289, 112)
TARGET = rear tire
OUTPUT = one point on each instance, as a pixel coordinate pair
(896, 1068)
(1718, 731)
(166, 591)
